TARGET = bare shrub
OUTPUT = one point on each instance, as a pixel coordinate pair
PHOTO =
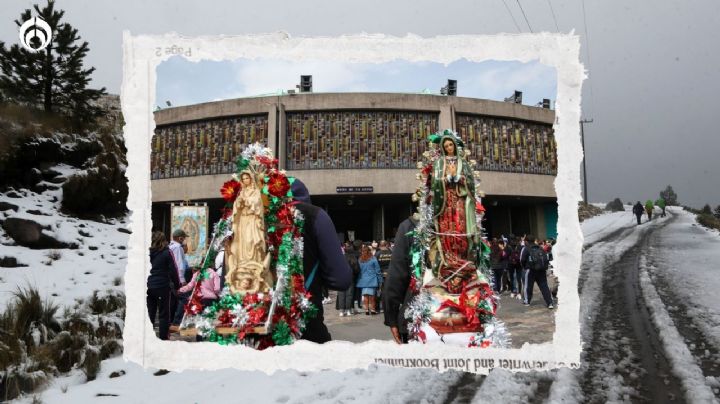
(54, 255)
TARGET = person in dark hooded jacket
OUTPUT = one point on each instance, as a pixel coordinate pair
(638, 210)
(161, 282)
(396, 294)
(323, 261)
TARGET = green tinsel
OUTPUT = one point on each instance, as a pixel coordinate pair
(222, 339)
(311, 312)
(281, 334)
(242, 163)
(295, 265)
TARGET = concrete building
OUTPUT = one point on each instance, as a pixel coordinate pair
(357, 154)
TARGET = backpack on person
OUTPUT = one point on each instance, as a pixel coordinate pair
(515, 257)
(537, 259)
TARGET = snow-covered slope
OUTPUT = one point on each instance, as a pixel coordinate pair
(64, 274)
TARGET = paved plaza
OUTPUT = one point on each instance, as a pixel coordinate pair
(534, 324)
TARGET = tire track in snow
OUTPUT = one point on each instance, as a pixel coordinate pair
(625, 359)
(610, 371)
(693, 357)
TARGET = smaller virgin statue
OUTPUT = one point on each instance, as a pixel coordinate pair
(247, 260)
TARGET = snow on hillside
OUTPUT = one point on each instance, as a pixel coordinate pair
(688, 250)
(63, 274)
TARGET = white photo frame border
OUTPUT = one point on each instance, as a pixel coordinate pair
(141, 56)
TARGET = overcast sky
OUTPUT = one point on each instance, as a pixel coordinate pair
(179, 79)
(653, 65)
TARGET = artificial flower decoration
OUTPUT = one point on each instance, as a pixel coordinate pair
(230, 190)
(278, 185)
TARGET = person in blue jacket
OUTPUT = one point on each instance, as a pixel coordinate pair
(323, 261)
(370, 278)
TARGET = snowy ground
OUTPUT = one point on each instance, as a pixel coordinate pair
(98, 263)
(677, 259)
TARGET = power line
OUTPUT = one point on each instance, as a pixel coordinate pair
(511, 16)
(523, 13)
(557, 29)
(587, 52)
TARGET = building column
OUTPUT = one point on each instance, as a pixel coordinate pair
(378, 220)
(271, 141)
(282, 137)
(540, 222)
(446, 117)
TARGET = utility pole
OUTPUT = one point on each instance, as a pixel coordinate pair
(582, 140)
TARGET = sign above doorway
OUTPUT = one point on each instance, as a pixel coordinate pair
(344, 190)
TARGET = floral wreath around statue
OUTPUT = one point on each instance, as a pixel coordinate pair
(477, 307)
(259, 320)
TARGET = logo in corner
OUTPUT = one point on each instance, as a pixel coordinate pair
(35, 34)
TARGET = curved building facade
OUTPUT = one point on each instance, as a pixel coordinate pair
(357, 153)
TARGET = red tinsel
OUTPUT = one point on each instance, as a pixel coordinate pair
(298, 283)
(226, 318)
(285, 216)
(256, 316)
(278, 184)
(275, 238)
(267, 161)
(194, 306)
(421, 335)
(250, 299)
(413, 287)
(230, 190)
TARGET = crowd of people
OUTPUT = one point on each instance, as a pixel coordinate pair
(638, 209)
(369, 263)
(381, 274)
(517, 263)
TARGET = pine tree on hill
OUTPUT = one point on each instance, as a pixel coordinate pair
(54, 79)
(669, 196)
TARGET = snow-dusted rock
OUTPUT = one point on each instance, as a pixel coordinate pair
(29, 233)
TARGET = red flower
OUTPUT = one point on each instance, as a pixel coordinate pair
(230, 190)
(485, 344)
(479, 208)
(278, 185)
(426, 170)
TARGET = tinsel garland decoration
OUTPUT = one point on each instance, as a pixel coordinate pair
(287, 307)
(478, 306)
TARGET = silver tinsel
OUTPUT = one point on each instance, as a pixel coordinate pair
(204, 326)
(256, 149)
(417, 312)
(298, 247)
(240, 315)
